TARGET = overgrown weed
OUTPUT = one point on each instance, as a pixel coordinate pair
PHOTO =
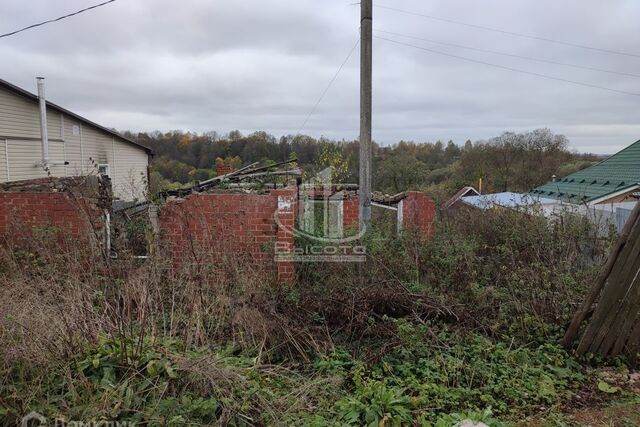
(427, 332)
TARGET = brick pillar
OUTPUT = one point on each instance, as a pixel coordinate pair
(287, 199)
(223, 169)
(350, 213)
(417, 213)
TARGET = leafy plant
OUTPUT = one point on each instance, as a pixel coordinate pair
(455, 419)
(375, 404)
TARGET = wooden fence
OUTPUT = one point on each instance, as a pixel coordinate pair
(612, 306)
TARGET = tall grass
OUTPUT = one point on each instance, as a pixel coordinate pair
(80, 332)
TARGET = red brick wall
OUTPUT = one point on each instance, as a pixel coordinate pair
(61, 214)
(223, 169)
(205, 228)
(418, 213)
(351, 213)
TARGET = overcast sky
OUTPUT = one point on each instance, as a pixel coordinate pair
(220, 65)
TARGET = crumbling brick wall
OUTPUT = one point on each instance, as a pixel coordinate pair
(351, 213)
(70, 209)
(219, 228)
(285, 216)
(223, 169)
(417, 213)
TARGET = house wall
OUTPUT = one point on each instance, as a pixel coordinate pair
(3, 161)
(70, 140)
(20, 118)
(621, 198)
(129, 171)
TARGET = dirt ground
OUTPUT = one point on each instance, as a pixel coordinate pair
(610, 399)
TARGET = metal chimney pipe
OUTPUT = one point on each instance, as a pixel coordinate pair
(43, 121)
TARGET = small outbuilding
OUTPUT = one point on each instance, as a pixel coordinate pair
(463, 192)
(39, 139)
(510, 200)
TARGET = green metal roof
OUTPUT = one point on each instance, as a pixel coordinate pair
(617, 173)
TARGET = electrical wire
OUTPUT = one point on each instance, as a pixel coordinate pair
(56, 19)
(315, 107)
(495, 52)
(503, 67)
(511, 33)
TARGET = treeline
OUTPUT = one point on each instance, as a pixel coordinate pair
(509, 162)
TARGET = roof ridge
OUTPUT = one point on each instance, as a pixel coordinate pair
(615, 174)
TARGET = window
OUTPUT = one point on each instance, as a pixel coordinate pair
(104, 170)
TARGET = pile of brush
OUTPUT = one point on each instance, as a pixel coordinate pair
(248, 177)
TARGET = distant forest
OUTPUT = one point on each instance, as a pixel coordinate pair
(509, 162)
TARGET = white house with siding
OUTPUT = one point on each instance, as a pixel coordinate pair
(76, 146)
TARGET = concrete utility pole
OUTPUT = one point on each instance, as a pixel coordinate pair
(366, 68)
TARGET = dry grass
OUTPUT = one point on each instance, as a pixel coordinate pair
(57, 298)
(498, 275)
(58, 302)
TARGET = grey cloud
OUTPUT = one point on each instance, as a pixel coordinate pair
(261, 65)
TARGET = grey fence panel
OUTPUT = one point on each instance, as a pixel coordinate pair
(622, 215)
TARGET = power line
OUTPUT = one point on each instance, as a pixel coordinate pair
(313, 110)
(495, 52)
(517, 70)
(56, 19)
(511, 33)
